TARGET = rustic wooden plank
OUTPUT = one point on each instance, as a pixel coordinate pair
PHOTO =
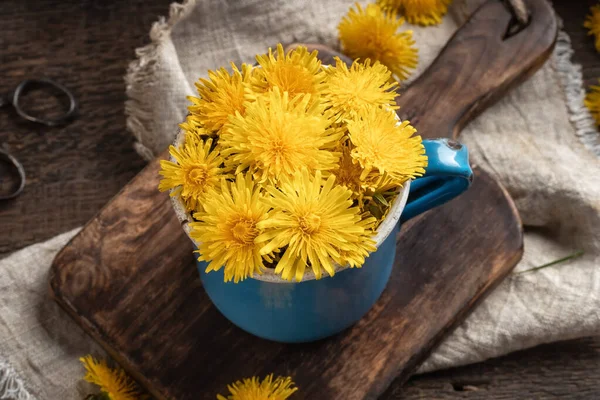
(100, 25)
(129, 280)
(72, 171)
(445, 263)
(563, 370)
(573, 14)
(477, 67)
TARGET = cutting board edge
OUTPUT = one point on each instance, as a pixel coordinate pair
(416, 360)
(461, 316)
(103, 341)
(58, 296)
(404, 373)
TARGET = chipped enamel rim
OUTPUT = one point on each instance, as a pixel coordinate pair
(383, 231)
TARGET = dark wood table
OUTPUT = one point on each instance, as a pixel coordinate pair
(73, 171)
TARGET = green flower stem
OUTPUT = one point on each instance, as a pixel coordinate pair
(577, 254)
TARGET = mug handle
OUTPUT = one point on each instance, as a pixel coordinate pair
(448, 174)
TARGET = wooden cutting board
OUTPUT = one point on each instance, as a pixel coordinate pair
(130, 281)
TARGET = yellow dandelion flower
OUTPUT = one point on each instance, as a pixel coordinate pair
(373, 33)
(112, 381)
(348, 172)
(350, 90)
(194, 173)
(592, 22)
(422, 12)
(316, 220)
(373, 192)
(227, 229)
(297, 72)
(380, 192)
(592, 102)
(253, 389)
(381, 144)
(194, 131)
(221, 95)
(381, 183)
(279, 135)
(355, 256)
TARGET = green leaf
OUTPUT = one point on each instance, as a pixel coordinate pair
(375, 211)
(379, 197)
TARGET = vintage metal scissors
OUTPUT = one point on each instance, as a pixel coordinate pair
(15, 100)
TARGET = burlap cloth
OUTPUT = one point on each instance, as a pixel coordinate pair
(531, 141)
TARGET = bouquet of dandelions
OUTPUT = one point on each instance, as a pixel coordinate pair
(291, 165)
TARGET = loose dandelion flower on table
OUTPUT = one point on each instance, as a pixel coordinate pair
(383, 145)
(315, 219)
(196, 170)
(422, 12)
(592, 102)
(372, 33)
(113, 382)
(253, 389)
(227, 229)
(592, 22)
(221, 95)
(279, 135)
(351, 90)
(297, 72)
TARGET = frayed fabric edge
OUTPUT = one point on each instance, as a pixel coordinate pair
(571, 79)
(139, 116)
(141, 70)
(11, 386)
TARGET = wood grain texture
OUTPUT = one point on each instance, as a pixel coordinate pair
(91, 42)
(129, 279)
(445, 263)
(73, 170)
(564, 370)
(478, 66)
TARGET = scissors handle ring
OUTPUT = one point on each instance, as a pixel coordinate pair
(5, 156)
(46, 121)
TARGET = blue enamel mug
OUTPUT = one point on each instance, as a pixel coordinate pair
(275, 309)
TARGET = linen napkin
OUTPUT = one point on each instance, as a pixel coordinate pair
(531, 140)
(39, 342)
